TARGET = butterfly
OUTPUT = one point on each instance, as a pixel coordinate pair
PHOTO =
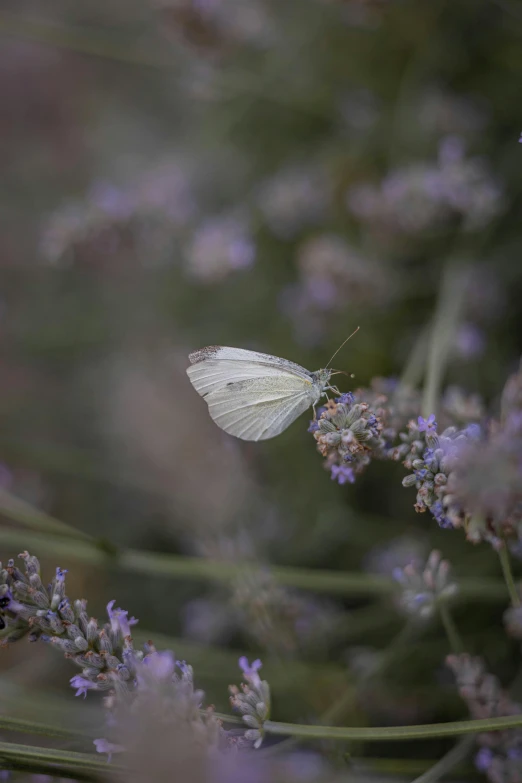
(255, 396)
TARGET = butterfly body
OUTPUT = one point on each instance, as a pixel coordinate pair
(254, 396)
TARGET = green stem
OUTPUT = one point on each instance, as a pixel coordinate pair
(402, 767)
(20, 511)
(454, 757)
(505, 562)
(33, 727)
(64, 763)
(452, 633)
(442, 335)
(413, 370)
(394, 733)
(198, 568)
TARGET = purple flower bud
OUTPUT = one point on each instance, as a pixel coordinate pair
(346, 399)
(104, 746)
(427, 425)
(250, 671)
(342, 474)
(83, 685)
(160, 665)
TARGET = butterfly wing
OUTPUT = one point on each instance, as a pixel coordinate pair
(258, 409)
(251, 395)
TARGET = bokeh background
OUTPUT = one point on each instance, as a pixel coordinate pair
(267, 174)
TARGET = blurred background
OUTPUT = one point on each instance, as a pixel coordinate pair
(267, 174)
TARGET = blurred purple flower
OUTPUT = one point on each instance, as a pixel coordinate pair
(119, 620)
(427, 425)
(470, 342)
(426, 196)
(342, 474)
(251, 671)
(83, 685)
(160, 665)
(104, 746)
(293, 199)
(219, 246)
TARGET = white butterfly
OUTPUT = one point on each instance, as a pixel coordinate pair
(254, 396)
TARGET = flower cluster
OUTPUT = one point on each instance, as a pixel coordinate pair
(478, 489)
(462, 486)
(148, 213)
(433, 459)
(347, 433)
(161, 689)
(219, 246)
(423, 589)
(105, 654)
(252, 702)
(487, 482)
(500, 754)
(138, 684)
(427, 196)
(375, 417)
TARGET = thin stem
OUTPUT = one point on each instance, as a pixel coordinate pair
(64, 763)
(413, 370)
(34, 727)
(24, 513)
(199, 568)
(457, 754)
(442, 334)
(394, 733)
(505, 562)
(338, 708)
(403, 767)
(452, 633)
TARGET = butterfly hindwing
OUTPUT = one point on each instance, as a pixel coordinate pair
(257, 409)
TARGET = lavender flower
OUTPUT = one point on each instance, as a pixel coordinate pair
(139, 685)
(252, 701)
(500, 752)
(293, 199)
(348, 434)
(424, 196)
(433, 459)
(220, 246)
(342, 474)
(427, 425)
(152, 211)
(251, 671)
(423, 589)
(104, 746)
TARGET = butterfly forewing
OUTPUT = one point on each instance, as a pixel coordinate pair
(224, 353)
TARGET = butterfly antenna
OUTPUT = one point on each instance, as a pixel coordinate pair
(342, 346)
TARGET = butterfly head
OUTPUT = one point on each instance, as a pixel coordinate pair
(322, 377)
